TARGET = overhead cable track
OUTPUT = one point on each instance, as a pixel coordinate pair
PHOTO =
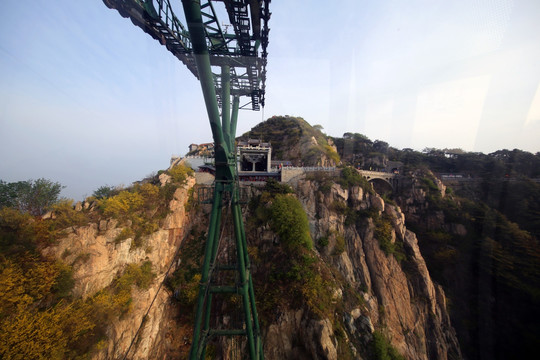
(245, 51)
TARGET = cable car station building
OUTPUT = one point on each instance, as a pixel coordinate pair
(255, 161)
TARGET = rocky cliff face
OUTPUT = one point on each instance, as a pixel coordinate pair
(399, 297)
(471, 250)
(99, 258)
(360, 240)
(380, 284)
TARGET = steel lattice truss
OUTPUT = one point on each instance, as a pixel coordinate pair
(244, 50)
(227, 66)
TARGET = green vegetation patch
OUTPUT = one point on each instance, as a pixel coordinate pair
(275, 187)
(322, 242)
(20, 231)
(122, 205)
(382, 349)
(340, 245)
(383, 233)
(39, 317)
(323, 179)
(105, 191)
(185, 280)
(22, 203)
(290, 274)
(144, 205)
(351, 177)
(282, 131)
(180, 173)
(289, 220)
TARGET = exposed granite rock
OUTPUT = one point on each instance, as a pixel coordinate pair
(281, 337)
(164, 178)
(294, 335)
(377, 202)
(356, 195)
(397, 218)
(440, 186)
(405, 304)
(98, 258)
(397, 298)
(318, 338)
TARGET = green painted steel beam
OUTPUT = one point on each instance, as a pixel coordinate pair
(192, 11)
(217, 37)
(226, 182)
(234, 120)
(241, 250)
(216, 212)
(244, 49)
(226, 104)
(200, 46)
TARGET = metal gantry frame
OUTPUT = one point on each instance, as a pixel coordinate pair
(241, 60)
(245, 50)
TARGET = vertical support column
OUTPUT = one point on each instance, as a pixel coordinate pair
(257, 332)
(209, 258)
(241, 251)
(226, 180)
(234, 119)
(232, 131)
(214, 246)
(226, 104)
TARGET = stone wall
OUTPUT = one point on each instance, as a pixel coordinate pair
(287, 174)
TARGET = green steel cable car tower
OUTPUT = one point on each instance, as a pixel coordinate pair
(229, 66)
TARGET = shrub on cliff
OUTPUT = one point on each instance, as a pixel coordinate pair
(275, 187)
(143, 204)
(123, 204)
(180, 173)
(323, 179)
(289, 221)
(184, 281)
(331, 153)
(382, 349)
(291, 268)
(105, 191)
(37, 318)
(20, 232)
(383, 234)
(351, 177)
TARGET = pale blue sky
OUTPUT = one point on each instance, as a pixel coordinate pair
(87, 98)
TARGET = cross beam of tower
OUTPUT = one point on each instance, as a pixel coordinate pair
(229, 66)
(244, 50)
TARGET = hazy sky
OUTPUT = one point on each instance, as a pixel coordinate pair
(88, 99)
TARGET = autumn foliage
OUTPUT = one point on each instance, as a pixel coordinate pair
(39, 317)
